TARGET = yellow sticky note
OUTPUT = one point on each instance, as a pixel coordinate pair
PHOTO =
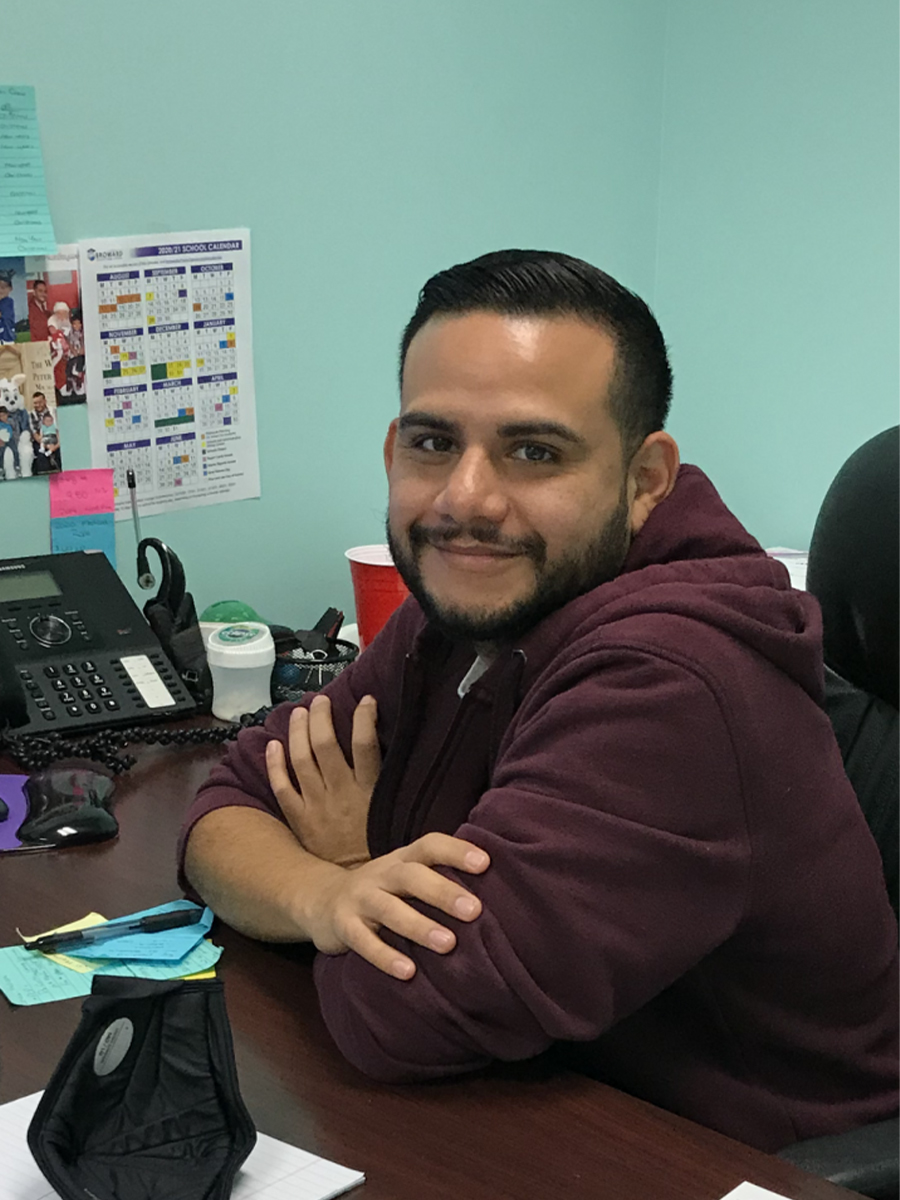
(81, 965)
(210, 974)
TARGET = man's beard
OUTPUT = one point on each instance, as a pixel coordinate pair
(555, 584)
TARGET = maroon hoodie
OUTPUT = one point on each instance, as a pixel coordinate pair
(683, 893)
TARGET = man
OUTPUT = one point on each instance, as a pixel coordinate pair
(611, 815)
(37, 312)
(7, 310)
(39, 410)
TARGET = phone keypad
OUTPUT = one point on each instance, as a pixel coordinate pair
(80, 692)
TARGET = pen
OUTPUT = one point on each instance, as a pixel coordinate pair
(132, 491)
(155, 923)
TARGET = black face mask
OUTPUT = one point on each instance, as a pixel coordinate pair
(144, 1104)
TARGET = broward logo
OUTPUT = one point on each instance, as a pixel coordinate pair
(103, 254)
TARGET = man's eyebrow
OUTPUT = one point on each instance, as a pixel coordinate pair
(418, 420)
(518, 429)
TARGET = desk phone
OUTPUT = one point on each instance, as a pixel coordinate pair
(77, 649)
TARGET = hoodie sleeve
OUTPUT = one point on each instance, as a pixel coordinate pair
(619, 859)
(241, 779)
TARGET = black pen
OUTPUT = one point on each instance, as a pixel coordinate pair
(50, 943)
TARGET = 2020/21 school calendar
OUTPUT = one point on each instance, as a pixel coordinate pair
(169, 342)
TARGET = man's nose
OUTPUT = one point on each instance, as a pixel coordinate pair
(474, 489)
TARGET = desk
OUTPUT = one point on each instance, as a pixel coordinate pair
(512, 1133)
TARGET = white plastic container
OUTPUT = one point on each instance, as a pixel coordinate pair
(240, 657)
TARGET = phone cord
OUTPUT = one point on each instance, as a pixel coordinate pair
(35, 751)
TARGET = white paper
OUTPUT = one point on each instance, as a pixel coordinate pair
(752, 1191)
(169, 353)
(274, 1170)
(796, 562)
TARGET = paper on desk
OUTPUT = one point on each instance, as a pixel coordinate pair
(167, 946)
(25, 225)
(74, 964)
(752, 1191)
(27, 978)
(273, 1171)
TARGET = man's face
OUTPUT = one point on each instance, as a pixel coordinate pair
(39, 404)
(508, 490)
(40, 290)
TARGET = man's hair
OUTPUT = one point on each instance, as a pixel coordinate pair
(34, 396)
(542, 283)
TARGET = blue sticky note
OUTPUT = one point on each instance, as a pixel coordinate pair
(27, 977)
(166, 947)
(25, 224)
(93, 531)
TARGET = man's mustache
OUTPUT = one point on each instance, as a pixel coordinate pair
(483, 532)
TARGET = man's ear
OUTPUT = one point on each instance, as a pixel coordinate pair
(389, 442)
(651, 476)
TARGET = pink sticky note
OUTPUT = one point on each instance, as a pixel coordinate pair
(81, 493)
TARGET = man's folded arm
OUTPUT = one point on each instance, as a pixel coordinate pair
(236, 850)
(619, 859)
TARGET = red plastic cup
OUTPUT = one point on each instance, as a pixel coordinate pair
(377, 589)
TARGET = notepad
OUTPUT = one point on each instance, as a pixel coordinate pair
(752, 1191)
(274, 1170)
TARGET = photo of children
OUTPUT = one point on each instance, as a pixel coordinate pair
(13, 301)
(29, 434)
(54, 316)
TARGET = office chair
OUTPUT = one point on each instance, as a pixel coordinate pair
(853, 573)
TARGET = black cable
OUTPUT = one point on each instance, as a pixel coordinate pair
(36, 751)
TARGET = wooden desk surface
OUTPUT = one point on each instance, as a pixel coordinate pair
(511, 1132)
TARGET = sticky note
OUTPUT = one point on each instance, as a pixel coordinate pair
(29, 978)
(165, 946)
(74, 964)
(95, 532)
(81, 493)
(25, 224)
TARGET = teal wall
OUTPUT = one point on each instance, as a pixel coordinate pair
(777, 285)
(729, 161)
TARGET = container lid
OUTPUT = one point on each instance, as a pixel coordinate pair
(248, 644)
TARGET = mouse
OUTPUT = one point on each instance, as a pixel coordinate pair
(68, 808)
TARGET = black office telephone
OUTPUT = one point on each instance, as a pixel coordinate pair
(76, 653)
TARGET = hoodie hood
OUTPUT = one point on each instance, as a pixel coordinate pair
(694, 560)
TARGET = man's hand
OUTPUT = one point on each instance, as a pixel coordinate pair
(330, 812)
(351, 906)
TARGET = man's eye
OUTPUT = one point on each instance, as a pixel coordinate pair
(531, 452)
(433, 443)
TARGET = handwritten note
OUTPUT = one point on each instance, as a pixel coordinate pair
(166, 946)
(29, 978)
(82, 493)
(81, 512)
(25, 224)
(68, 534)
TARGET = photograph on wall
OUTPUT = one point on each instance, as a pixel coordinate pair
(13, 300)
(29, 434)
(54, 317)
